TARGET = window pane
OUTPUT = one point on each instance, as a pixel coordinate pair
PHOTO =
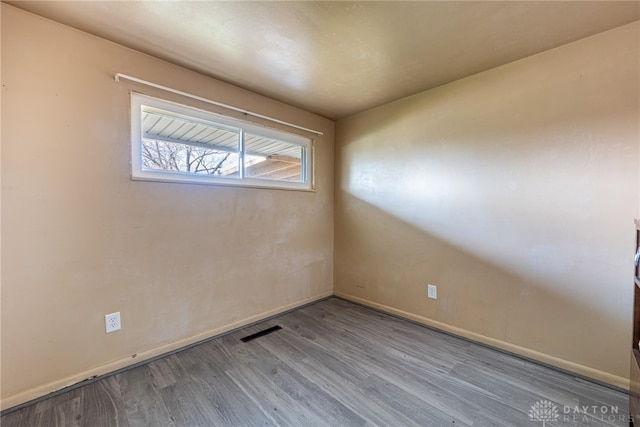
(183, 144)
(268, 158)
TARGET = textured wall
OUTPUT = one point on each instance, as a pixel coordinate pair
(514, 191)
(80, 239)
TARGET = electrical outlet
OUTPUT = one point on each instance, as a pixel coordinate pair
(432, 291)
(112, 322)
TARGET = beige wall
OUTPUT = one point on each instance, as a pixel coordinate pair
(514, 191)
(80, 239)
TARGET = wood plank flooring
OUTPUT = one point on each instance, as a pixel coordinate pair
(333, 363)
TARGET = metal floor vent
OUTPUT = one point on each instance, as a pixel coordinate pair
(260, 334)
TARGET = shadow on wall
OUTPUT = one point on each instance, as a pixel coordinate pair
(385, 260)
(548, 201)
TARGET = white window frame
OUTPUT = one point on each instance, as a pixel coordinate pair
(139, 173)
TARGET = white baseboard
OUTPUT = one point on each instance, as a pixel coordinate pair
(566, 365)
(43, 390)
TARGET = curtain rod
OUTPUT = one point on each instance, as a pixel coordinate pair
(119, 76)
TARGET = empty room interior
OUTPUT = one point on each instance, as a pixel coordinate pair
(320, 213)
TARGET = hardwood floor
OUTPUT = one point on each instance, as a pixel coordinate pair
(333, 363)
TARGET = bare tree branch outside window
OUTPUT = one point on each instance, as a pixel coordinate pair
(185, 158)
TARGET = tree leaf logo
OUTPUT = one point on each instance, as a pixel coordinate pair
(543, 410)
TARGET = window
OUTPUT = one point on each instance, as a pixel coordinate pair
(173, 142)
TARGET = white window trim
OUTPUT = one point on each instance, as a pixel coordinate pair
(140, 174)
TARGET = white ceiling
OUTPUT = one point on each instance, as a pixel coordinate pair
(339, 58)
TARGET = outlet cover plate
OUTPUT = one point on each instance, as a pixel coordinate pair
(432, 291)
(112, 322)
